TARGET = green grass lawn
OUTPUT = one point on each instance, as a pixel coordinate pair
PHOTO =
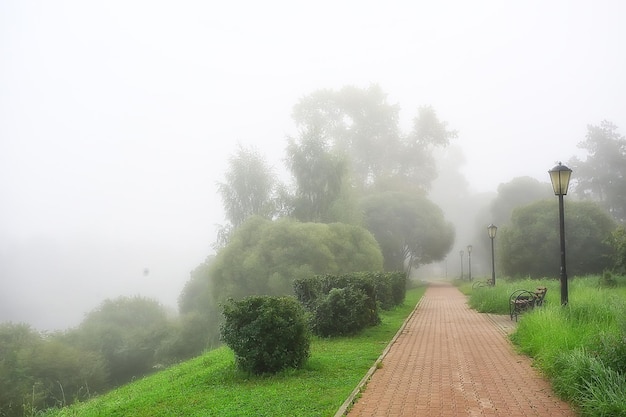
(210, 385)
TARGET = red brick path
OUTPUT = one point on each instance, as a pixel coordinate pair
(452, 361)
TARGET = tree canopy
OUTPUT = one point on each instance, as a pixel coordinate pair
(518, 192)
(250, 189)
(362, 125)
(264, 257)
(602, 175)
(127, 332)
(38, 371)
(410, 229)
(529, 245)
(322, 182)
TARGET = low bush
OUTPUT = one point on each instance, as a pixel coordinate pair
(340, 304)
(607, 280)
(398, 286)
(267, 334)
(341, 312)
(390, 288)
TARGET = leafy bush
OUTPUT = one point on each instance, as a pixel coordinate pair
(389, 288)
(607, 280)
(267, 334)
(186, 337)
(343, 311)
(617, 240)
(334, 314)
(398, 281)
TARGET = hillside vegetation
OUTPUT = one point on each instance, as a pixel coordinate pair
(210, 385)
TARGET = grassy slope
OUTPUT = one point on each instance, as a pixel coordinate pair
(210, 385)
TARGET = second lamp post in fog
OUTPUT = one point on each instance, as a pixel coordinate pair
(491, 230)
(469, 262)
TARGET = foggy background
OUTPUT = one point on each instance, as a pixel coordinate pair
(117, 118)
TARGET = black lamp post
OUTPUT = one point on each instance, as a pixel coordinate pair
(491, 230)
(469, 261)
(461, 254)
(560, 175)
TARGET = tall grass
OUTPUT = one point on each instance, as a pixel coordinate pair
(581, 347)
(495, 300)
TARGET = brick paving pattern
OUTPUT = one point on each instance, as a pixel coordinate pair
(451, 361)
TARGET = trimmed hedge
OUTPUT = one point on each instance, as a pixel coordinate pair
(390, 288)
(267, 334)
(346, 304)
(341, 312)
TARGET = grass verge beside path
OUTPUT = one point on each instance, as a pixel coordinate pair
(580, 347)
(210, 385)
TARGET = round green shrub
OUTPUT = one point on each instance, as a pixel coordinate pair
(267, 334)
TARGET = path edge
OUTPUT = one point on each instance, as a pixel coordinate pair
(342, 411)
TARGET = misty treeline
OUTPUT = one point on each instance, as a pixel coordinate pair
(121, 339)
(526, 212)
(354, 196)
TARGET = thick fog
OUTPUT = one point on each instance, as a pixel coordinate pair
(117, 118)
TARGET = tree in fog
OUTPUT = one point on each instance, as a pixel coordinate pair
(15, 339)
(362, 125)
(356, 122)
(127, 332)
(265, 257)
(199, 315)
(602, 175)
(250, 189)
(417, 163)
(40, 371)
(518, 192)
(323, 192)
(529, 244)
(618, 244)
(410, 229)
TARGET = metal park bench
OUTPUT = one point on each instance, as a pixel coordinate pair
(479, 284)
(524, 300)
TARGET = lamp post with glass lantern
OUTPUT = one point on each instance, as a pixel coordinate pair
(560, 176)
(469, 261)
(491, 230)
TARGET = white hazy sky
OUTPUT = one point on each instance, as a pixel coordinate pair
(117, 117)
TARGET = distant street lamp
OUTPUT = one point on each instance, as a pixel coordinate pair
(461, 254)
(491, 230)
(469, 261)
(560, 175)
